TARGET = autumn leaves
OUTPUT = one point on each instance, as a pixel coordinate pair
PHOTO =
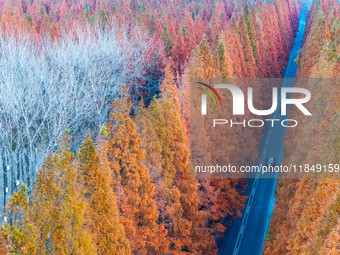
(118, 195)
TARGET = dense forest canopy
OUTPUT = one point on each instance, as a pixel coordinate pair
(94, 119)
(306, 216)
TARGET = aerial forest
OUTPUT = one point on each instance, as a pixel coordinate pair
(95, 124)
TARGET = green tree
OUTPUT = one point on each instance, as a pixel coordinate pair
(220, 61)
(167, 41)
(250, 31)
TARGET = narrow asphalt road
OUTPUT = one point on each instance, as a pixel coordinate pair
(245, 235)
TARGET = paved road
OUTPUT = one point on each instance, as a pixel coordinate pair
(245, 235)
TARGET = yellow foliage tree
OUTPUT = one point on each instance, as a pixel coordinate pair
(107, 232)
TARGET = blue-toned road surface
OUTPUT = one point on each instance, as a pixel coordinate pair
(245, 235)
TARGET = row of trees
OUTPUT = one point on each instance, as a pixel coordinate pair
(52, 86)
(140, 159)
(251, 46)
(306, 216)
(72, 61)
(122, 194)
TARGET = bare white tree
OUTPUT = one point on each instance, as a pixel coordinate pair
(49, 87)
